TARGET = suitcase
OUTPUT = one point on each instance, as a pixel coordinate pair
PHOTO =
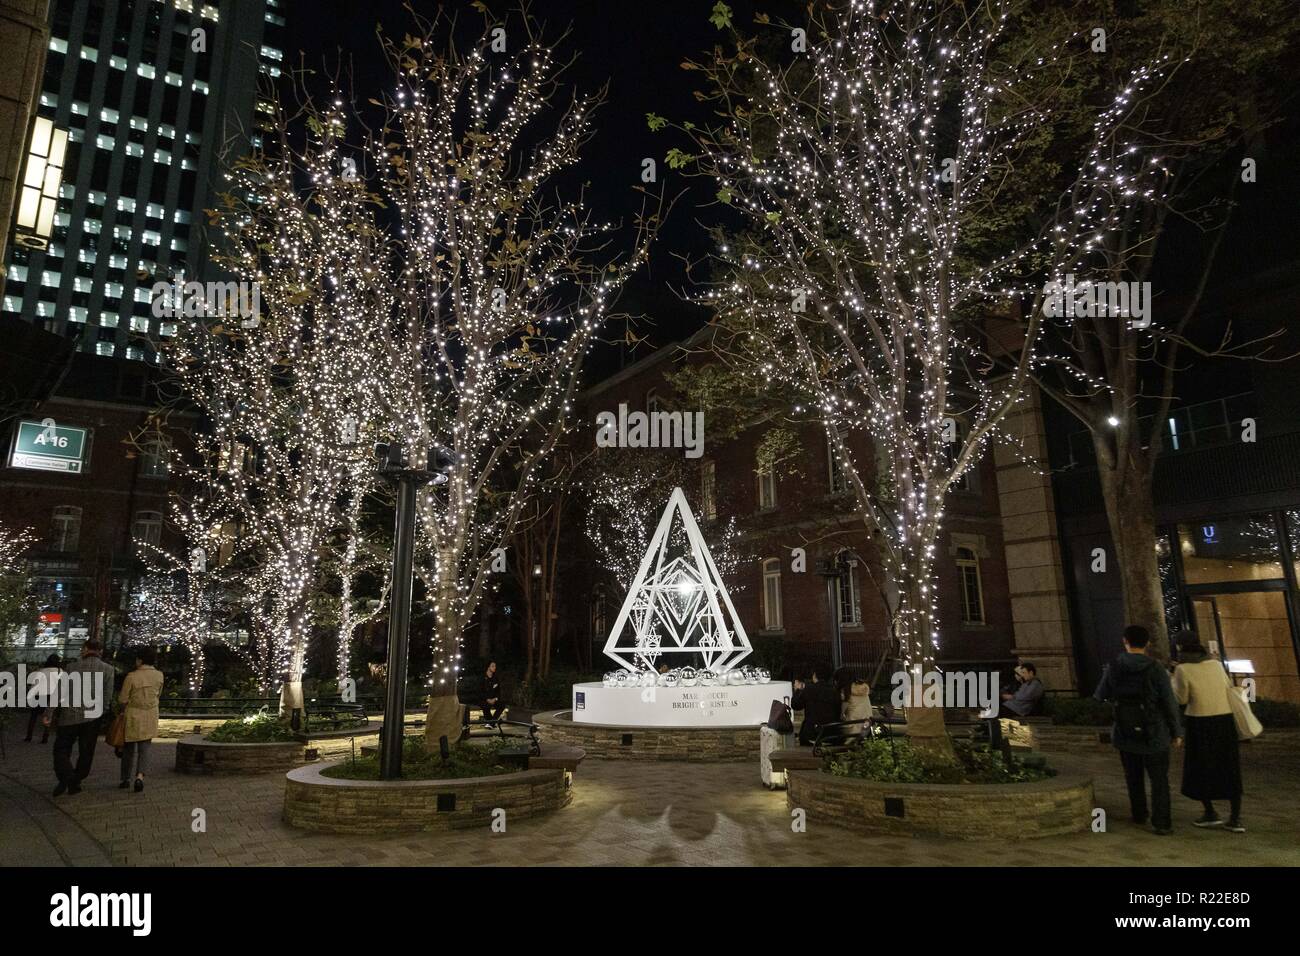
(770, 740)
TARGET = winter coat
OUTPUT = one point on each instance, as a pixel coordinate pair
(140, 692)
(1204, 687)
(1160, 700)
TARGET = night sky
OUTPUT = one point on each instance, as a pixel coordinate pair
(637, 48)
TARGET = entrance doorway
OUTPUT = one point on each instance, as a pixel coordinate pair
(1251, 625)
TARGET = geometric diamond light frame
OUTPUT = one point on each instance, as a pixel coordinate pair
(677, 606)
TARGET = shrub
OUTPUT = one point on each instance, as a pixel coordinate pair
(465, 760)
(263, 728)
(893, 760)
(1078, 711)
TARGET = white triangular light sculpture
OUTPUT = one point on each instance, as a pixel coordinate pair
(678, 606)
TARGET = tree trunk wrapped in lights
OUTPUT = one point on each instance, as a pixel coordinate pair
(864, 283)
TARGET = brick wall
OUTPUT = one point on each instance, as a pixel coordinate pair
(651, 743)
(979, 811)
(313, 802)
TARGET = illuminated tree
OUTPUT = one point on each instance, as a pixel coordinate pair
(864, 283)
(505, 280)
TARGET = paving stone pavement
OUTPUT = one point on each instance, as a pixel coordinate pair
(623, 813)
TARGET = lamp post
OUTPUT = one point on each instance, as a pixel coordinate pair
(394, 464)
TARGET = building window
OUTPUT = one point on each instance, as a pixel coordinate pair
(847, 596)
(972, 590)
(838, 483)
(708, 491)
(147, 528)
(772, 594)
(651, 402)
(65, 529)
(598, 625)
(766, 488)
(153, 458)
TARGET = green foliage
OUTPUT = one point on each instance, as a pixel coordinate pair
(466, 760)
(1078, 711)
(262, 728)
(897, 761)
(676, 159)
(1276, 713)
(655, 122)
(554, 692)
(779, 450)
(721, 15)
(769, 653)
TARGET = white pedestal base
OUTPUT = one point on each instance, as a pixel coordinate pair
(740, 705)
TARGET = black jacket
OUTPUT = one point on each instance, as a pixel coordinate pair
(820, 704)
(491, 688)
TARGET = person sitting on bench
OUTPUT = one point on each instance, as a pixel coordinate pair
(1025, 700)
(491, 696)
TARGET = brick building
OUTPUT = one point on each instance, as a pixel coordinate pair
(1001, 592)
(86, 515)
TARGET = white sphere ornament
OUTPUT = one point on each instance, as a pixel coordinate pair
(735, 678)
(649, 678)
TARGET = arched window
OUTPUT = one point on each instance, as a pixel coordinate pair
(65, 528)
(153, 458)
(766, 488)
(847, 598)
(838, 482)
(772, 595)
(972, 590)
(708, 491)
(598, 623)
(651, 402)
(147, 527)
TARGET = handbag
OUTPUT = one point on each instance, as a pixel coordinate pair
(1248, 725)
(115, 736)
(779, 717)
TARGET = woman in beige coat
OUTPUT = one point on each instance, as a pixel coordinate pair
(1211, 762)
(140, 692)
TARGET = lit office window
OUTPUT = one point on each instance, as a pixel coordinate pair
(90, 53)
(103, 348)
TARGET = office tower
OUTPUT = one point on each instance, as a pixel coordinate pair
(150, 94)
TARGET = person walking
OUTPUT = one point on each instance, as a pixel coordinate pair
(1212, 763)
(140, 693)
(48, 676)
(76, 720)
(1146, 726)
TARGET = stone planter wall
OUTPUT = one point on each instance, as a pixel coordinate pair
(195, 754)
(711, 744)
(173, 728)
(1062, 804)
(199, 756)
(328, 805)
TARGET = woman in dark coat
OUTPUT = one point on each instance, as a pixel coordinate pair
(1211, 765)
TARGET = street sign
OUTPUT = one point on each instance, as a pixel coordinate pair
(45, 446)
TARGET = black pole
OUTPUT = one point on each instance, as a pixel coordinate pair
(399, 629)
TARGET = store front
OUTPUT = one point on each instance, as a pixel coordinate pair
(1233, 579)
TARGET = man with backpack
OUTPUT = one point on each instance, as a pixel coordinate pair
(1146, 726)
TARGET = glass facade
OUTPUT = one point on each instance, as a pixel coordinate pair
(146, 91)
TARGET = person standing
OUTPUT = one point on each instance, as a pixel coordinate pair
(1146, 726)
(140, 693)
(77, 720)
(1212, 764)
(47, 677)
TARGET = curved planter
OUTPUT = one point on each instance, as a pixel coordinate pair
(197, 755)
(1061, 804)
(329, 805)
(695, 744)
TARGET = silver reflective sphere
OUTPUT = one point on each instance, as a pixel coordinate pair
(763, 675)
(735, 678)
(689, 676)
(708, 678)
